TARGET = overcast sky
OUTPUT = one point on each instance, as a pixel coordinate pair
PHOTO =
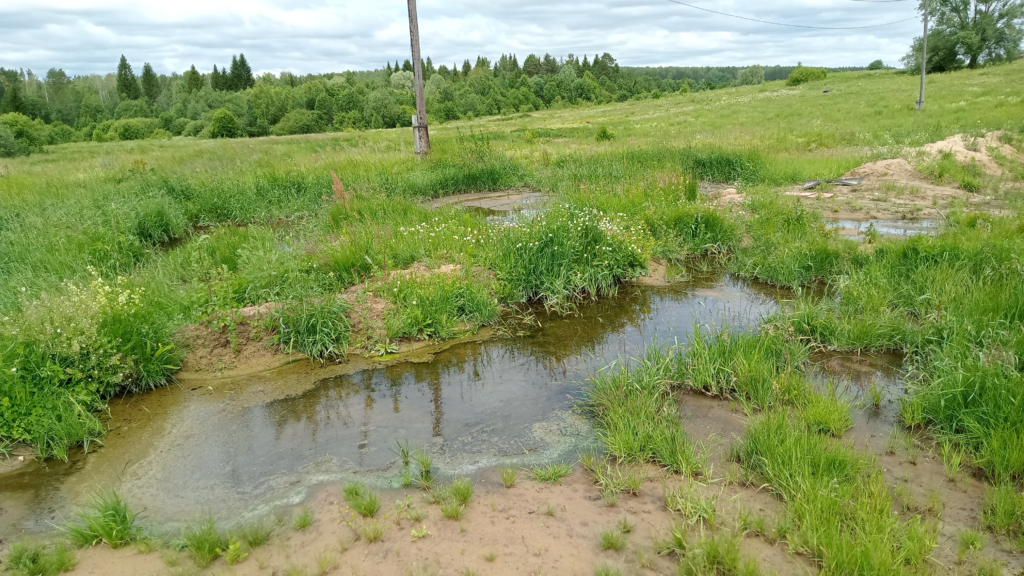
(303, 36)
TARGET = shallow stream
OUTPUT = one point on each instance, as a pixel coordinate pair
(237, 447)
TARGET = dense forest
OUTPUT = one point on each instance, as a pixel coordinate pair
(232, 102)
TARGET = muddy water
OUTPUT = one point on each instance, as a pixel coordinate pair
(238, 447)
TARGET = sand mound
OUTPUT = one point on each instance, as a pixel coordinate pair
(897, 169)
(894, 190)
(968, 149)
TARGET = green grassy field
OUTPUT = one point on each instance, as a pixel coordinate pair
(106, 250)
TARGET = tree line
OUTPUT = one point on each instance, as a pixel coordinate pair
(231, 102)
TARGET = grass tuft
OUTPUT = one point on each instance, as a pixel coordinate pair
(204, 542)
(107, 520)
(509, 475)
(27, 559)
(303, 519)
(612, 540)
(552, 473)
(361, 499)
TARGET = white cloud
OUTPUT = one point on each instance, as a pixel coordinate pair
(88, 36)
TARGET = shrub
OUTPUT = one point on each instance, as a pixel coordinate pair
(29, 135)
(224, 124)
(60, 133)
(131, 109)
(102, 130)
(804, 74)
(300, 122)
(178, 126)
(160, 134)
(134, 128)
(193, 128)
(604, 134)
(9, 145)
(876, 65)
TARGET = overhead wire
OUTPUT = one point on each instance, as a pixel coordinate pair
(796, 25)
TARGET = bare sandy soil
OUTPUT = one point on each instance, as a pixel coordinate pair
(894, 190)
(537, 528)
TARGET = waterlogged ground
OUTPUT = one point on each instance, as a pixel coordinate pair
(235, 448)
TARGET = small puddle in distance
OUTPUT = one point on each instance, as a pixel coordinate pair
(246, 445)
(855, 229)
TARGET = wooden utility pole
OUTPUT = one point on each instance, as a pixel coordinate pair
(924, 56)
(421, 138)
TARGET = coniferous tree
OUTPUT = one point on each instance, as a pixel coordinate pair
(466, 67)
(127, 84)
(387, 70)
(193, 80)
(230, 82)
(549, 66)
(428, 69)
(13, 98)
(532, 65)
(245, 78)
(407, 66)
(215, 80)
(150, 83)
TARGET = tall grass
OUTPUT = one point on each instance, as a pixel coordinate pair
(567, 254)
(837, 501)
(637, 416)
(438, 305)
(955, 304)
(318, 329)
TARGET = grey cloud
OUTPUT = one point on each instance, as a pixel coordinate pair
(358, 35)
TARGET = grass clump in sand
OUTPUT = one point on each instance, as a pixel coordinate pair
(26, 559)
(204, 542)
(361, 499)
(107, 520)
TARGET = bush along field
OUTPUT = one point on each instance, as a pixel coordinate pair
(111, 254)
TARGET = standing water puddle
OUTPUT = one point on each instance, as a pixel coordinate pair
(856, 229)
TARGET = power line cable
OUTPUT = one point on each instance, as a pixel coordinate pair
(792, 25)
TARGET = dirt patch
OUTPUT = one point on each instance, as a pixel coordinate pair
(532, 528)
(727, 196)
(230, 352)
(657, 274)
